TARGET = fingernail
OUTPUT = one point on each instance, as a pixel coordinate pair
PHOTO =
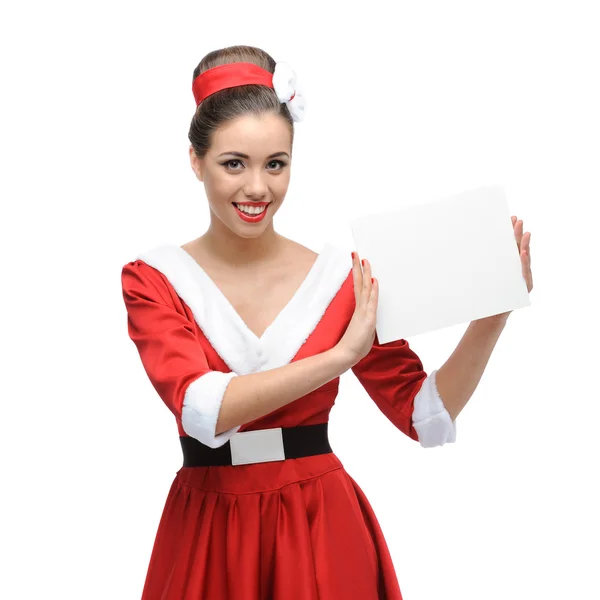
(372, 280)
(353, 255)
(362, 262)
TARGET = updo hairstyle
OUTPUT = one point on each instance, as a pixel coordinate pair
(231, 103)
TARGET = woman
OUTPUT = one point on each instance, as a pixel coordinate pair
(244, 335)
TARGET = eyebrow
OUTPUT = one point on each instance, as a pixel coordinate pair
(241, 155)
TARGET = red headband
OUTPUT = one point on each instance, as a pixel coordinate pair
(228, 76)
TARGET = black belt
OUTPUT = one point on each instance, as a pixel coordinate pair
(298, 442)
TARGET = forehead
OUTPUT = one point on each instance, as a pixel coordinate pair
(253, 135)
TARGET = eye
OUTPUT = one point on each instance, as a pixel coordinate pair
(228, 163)
(278, 162)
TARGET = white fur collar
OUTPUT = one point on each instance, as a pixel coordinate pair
(239, 347)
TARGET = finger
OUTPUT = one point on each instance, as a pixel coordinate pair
(366, 277)
(526, 270)
(519, 232)
(360, 282)
(371, 307)
(525, 245)
(357, 276)
(374, 295)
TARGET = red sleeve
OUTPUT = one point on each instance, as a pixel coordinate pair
(392, 374)
(172, 355)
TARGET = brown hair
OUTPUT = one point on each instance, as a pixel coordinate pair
(231, 103)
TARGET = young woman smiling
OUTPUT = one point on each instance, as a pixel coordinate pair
(244, 334)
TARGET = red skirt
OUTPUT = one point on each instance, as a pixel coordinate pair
(299, 529)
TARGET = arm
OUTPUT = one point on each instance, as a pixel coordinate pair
(425, 407)
(458, 377)
(211, 405)
(461, 373)
(393, 376)
(251, 396)
(172, 355)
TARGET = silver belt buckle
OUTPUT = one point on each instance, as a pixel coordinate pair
(262, 445)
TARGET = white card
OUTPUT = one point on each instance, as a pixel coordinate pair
(442, 262)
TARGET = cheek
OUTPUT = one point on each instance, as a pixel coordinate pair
(218, 185)
(282, 183)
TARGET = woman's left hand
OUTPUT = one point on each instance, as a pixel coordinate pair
(523, 240)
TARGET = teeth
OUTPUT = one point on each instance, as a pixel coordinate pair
(251, 210)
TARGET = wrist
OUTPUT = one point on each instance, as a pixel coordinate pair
(495, 321)
(342, 358)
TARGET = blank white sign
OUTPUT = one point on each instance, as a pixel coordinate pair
(442, 262)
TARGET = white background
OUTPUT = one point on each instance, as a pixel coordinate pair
(419, 99)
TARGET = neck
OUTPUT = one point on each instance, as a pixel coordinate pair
(228, 248)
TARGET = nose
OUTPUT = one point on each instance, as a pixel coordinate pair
(256, 185)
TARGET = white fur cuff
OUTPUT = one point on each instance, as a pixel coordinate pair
(201, 406)
(430, 418)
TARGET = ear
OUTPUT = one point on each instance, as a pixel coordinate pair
(197, 164)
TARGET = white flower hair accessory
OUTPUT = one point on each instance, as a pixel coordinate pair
(287, 89)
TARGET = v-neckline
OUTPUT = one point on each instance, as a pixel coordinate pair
(228, 306)
(224, 329)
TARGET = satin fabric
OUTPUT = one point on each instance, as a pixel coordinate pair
(296, 529)
(300, 529)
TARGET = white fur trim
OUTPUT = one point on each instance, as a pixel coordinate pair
(201, 406)
(430, 418)
(225, 330)
(299, 318)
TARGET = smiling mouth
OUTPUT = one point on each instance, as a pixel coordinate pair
(253, 217)
(245, 205)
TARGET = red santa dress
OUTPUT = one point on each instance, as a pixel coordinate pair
(294, 529)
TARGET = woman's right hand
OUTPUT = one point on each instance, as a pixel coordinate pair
(358, 339)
